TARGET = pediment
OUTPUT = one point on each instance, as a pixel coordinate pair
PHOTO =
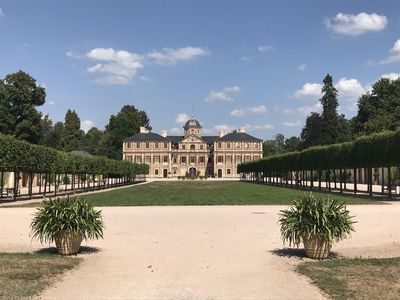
(192, 139)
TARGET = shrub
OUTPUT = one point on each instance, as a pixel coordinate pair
(74, 215)
(315, 216)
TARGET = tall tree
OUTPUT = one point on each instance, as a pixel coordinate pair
(72, 131)
(92, 142)
(328, 127)
(19, 97)
(380, 109)
(120, 127)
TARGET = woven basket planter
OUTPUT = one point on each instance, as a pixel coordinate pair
(67, 244)
(317, 246)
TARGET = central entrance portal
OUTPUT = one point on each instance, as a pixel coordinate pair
(192, 171)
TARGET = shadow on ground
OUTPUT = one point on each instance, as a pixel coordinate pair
(83, 250)
(298, 253)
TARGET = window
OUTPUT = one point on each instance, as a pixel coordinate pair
(156, 145)
(147, 145)
(255, 145)
(237, 145)
(228, 171)
(156, 172)
(165, 158)
(129, 145)
(156, 159)
(183, 147)
(256, 157)
(174, 159)
(201, 147)
(220, 159)
(147, 159)
(247, 158)
(201, 159)
(192, 147)
(183, 159)
(228, 158)
(165, 145)
(238, 159)
(219, 145)
(193, 159)
(228, 145)
(129, 158)
(191, 130)
(137, 145)
(138, 159)
(246, 145)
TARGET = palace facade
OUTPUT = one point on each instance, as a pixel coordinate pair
(192, 153)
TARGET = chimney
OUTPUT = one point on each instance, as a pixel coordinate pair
(221, 133)
(143, 130)
(163, 133)
(242, 130)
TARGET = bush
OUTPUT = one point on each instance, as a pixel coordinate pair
(312, 215)
(74, 215)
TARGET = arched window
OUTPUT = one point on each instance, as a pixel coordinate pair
(192, 147)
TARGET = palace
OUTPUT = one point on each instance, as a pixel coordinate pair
(193, 154)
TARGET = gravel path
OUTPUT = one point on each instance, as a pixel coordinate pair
(208, 252)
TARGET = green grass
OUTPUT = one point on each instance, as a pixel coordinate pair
(355, 278)
(24, 275)
(203, 193)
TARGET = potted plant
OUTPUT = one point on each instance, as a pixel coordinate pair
(317, 222)
(67, 222)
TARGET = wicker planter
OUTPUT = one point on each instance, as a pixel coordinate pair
(317, 246)
(67, 244)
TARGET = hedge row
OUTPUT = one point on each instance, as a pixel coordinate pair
(16, 155)
(378, 150)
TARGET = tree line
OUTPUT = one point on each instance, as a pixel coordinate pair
(378, 110)
(20, 96)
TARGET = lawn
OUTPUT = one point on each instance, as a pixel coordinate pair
(356, 278)
(23, 275)
(204, 193)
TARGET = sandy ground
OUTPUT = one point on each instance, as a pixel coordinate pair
(208, 252)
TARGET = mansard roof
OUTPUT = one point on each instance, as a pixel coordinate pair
(239, 136)
(150, 136)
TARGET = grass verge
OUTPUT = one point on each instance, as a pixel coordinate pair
(355, 278)
(23, 275)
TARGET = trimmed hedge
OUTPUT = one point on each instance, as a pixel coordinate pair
(378, 150)
(16, 155)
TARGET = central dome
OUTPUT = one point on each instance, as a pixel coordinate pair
(192, 123)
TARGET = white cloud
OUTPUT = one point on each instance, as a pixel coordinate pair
(1, 12)
(182, 118)
(145, 79)
(51, 103)
(395, 57)
(226, 94)
(223, 127)
(349, 89)
(309, 90)
(308, 109)
(292, 124)
(391, 76)
(168, 56)
(119, 66)
(266, 48)
(246, 58)
(350, 24)
(302, 67)
(176, 130)
(73, 54)
(248, 110)
(266, 126)
(86, 125)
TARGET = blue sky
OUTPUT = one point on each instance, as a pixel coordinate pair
(257, 64)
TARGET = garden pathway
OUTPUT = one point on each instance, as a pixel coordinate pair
(218, 252)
